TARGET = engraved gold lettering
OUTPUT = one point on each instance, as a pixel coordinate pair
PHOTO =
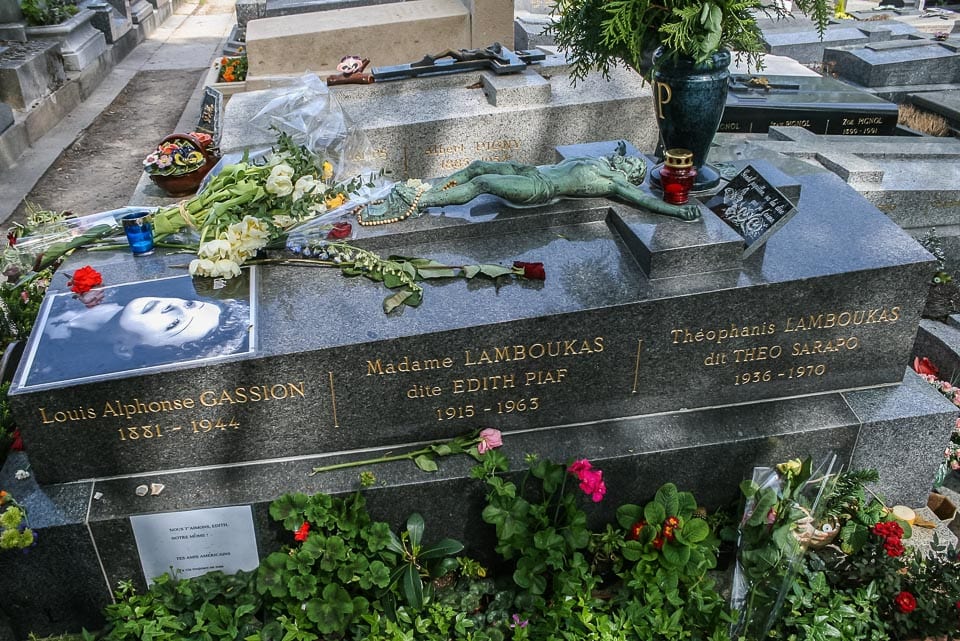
(664, 95)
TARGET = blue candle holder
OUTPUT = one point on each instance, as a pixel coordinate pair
(138, 227)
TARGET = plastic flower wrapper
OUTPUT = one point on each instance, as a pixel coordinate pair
(44, 244)
(312, 117)
(780, 521)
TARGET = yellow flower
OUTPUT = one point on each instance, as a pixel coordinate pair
(334, 201)
(791, 467)
(327, 170)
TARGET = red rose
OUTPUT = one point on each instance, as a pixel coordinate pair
(533, 271)
(17, 445)
(301, 534)
(905, 602)
(85, 279)
(340, 230)
(893, 547)
(924, 366)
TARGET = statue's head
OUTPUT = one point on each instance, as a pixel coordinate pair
(634, 168)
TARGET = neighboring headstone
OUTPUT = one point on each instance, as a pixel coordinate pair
(109, 21)
(10, 11)
(797, 38)
(428, 127)
(29, 71)
(6, 116)
(819, 104)
(899, 63)
(943, 103)
(528, 31)
(144, 16)
(386, 34)
(79, 42)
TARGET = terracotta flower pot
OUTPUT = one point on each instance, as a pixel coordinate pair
(187, 183)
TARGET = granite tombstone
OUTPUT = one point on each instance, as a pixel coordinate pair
(652, 347)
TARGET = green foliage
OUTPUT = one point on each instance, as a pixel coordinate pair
(576, 584)
(211, 607)
(418, 562)
(325, 582)
(598, 34)
(47, 12)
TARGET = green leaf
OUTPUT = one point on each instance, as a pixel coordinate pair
(378, 574)
(495, 271)
(332, 612)
(628, 514)
(667, 497)
(676, 555)
(425, 463)
(395, 544)
(445, 547)
(289, 509)
(413, 587)
(469, 271)
(392, 302)
(415, 528)
(302, 586)
(654, 513)
(695, 530)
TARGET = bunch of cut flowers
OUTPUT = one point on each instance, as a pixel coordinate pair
(951, 454)
(242, 209)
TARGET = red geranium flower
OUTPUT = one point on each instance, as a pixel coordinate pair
(340, 230)
(533, 271)
(85, 279)
(924, 366)
(905, 602)
(302, 533)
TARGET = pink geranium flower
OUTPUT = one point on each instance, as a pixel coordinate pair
(591, 480)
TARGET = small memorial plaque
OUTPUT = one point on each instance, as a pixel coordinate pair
(752, 207)
(195, 542)
(211, 114)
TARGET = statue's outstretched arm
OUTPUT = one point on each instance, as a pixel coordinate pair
(640, 198)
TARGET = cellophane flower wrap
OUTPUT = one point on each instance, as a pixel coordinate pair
(781, 518)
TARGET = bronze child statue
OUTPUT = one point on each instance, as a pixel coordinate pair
(615, 176)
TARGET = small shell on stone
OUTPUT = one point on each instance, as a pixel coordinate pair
(142, 490)
(156, 488)
(97, 496)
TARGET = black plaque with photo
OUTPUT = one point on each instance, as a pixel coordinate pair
(139, 327)
(752, 207)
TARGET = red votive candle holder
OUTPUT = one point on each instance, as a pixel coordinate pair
(676, 176)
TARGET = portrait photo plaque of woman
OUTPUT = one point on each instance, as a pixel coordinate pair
(138, 326)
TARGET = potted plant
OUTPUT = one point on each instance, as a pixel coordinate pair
(689, 42)
(180, 162)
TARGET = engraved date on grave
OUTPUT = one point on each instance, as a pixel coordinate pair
(508, 406)
(156, 431)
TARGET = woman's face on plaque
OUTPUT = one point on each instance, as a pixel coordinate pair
(162, 322)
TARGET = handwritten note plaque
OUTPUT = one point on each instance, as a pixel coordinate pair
(195, 542)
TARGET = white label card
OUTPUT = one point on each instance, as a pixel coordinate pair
(195, 542)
